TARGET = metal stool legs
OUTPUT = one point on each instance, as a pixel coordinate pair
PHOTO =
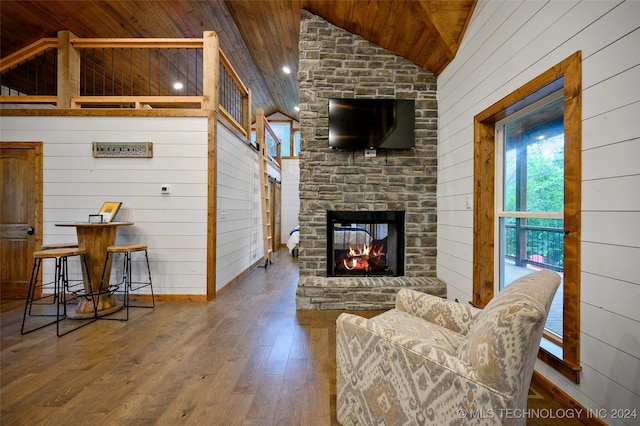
(137, 285)
(127, 284)
(57, 293)
(41, 299)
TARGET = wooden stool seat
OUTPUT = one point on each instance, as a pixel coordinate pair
(58, 245)
(123, 248)
(58, 252)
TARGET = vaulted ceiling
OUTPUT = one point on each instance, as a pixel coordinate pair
(258, 36)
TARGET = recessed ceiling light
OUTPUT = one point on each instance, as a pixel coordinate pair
(297, 108)
(177, 85)
(286, 70)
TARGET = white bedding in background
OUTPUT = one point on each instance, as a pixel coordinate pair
(294, 239)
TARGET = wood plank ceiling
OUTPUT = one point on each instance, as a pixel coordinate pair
(259, 37)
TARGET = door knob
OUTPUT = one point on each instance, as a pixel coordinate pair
(30, 230)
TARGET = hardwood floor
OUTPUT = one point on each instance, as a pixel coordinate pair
(248, 358)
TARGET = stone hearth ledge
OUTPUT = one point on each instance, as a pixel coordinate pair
(360, 293)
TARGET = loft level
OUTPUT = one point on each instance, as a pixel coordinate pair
(71, 72)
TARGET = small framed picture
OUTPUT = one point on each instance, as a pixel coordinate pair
(109, 210)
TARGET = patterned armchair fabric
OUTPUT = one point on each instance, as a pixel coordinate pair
(434, 362)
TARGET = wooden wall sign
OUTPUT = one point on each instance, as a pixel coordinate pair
(123, 149)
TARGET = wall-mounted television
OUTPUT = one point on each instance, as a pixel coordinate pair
(371, 124)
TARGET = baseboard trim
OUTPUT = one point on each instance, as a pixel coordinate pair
(193, 297)
(566, 401)
(170, 297)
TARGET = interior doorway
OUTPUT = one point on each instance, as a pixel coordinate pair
(20, 214)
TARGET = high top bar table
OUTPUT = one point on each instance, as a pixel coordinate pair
(95, 237)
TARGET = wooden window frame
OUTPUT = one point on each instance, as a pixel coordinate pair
(567, 75)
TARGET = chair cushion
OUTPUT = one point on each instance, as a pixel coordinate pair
(411, 326)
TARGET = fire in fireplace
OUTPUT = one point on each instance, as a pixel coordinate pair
(365, 243)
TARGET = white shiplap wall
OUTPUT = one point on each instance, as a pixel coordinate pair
(290, 196)
(507, 44)
(76, 184)
(239, 219)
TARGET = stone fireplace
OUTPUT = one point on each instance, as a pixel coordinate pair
(348, 190)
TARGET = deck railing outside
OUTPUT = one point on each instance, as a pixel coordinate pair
(538, 246)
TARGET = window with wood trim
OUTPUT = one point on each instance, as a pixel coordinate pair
(560, 350)
(289, 137)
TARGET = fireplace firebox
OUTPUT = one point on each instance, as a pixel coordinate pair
(365, 243)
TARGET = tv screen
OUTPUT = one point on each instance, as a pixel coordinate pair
(371, 123)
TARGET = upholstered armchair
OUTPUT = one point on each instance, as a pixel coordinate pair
(434, 362)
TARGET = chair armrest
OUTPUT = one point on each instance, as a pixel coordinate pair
(451, 315)
(382, 375)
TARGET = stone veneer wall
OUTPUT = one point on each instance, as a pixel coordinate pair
(337, 64)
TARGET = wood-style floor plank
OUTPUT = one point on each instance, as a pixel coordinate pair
(248, 358)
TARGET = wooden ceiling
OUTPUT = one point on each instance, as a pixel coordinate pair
(258, 36)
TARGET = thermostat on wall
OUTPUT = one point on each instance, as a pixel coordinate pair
(165, 189)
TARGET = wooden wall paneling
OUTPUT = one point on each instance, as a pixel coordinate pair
(611, 227)
(611, 260)
(612, 93)
(474, 84)
(599, 292)
(602, 31)
(238, 207)
(603, 130)
(616, 159)
(607, 191)
(618, 347)
(76, 184)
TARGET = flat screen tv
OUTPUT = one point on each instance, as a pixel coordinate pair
(371, 124)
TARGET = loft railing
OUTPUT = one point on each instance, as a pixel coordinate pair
(30, 75)
(273, 144)
(72, 72)
(265, 135)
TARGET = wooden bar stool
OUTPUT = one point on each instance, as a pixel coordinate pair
(58, 246)
(57, 293)
(127, 285)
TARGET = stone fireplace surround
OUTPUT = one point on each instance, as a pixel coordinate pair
(337, 64)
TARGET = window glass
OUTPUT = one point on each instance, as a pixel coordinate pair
(253, 139)
(283, 132)
(534, 160)
(530, 215)
(296, 143)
